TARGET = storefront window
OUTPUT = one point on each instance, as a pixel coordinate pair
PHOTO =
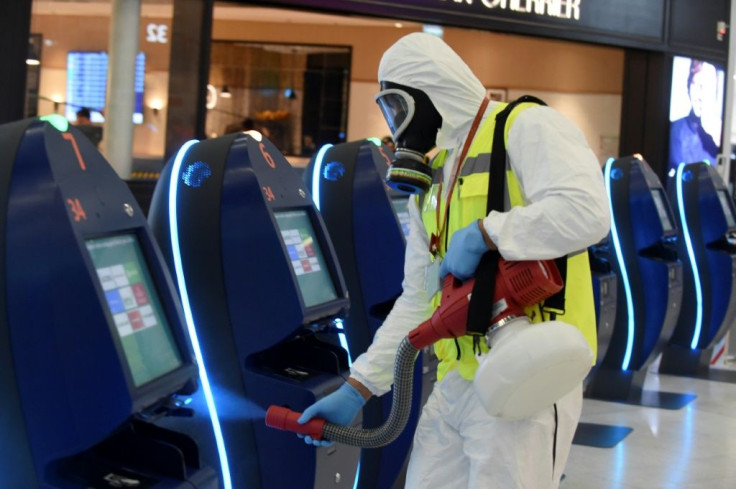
(295, 94)
(72, 47)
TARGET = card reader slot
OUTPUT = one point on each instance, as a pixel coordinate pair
(302, 357)
(725, 244)
(660, 251)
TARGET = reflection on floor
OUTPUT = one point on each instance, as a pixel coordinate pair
(691, 448)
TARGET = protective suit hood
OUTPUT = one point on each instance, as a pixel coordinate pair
(426, 62)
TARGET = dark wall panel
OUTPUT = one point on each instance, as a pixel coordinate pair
(645, 108)
(15, 27)
(191, 35)
(693, 27)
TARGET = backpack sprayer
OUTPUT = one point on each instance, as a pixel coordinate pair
(529, 367)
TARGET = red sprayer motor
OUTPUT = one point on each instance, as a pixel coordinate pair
(529, 367)
(518, 284)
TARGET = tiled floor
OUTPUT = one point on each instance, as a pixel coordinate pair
(690, 448)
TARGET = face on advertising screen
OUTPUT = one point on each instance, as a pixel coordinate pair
(696, 111)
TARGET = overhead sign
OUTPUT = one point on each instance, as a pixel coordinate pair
(563, 9)
(614, 22)
(157, 33)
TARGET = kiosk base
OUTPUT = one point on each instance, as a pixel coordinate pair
(662, 400)
(685, 362)
(626, 387)
(600, 435)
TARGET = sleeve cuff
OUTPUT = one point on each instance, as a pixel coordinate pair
(375, 390)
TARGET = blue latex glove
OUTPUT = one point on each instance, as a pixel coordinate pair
(340, 407)
(463, 255)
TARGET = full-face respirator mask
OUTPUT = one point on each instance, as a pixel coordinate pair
(414, 121)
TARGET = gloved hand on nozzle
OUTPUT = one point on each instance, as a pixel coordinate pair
(341, 407)
(467, 246)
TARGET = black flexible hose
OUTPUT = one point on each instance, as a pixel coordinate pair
(406, 355)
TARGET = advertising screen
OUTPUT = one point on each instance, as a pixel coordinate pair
(402, 212)
(307, 260)
(696, 111)
(134, 305)
(661, 205)
(86, 84)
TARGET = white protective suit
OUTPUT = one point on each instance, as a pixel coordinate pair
(457, 444)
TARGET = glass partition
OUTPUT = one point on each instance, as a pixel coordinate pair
(295, 94)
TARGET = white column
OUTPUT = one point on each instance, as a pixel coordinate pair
(728, 112)
(728, 139)
(124, 31)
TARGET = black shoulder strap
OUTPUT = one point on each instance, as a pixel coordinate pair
(555, 304)
(480, 311)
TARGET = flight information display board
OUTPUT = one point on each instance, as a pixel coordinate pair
(135, 307)
(86, 84)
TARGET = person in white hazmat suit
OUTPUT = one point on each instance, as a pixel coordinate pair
(428, 89)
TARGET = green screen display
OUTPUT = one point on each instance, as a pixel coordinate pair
(135, 307)
(315, 283)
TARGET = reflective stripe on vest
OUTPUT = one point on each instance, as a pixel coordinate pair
(469, 204)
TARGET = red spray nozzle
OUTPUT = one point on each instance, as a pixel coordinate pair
(285, 419)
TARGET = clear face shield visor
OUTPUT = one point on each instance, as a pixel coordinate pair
(397, 107)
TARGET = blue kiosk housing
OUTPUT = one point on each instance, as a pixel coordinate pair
(368, 223)
(605, 292)
(93, 348)
(644, 257)
(258, 276)
(707, 217)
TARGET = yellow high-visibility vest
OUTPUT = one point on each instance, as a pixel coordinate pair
(469, 202)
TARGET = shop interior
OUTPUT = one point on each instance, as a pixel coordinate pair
(309, 78)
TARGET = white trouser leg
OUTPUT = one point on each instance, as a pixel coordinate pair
(519, 454)
(569, 409)
(459, 446)
(437, 459)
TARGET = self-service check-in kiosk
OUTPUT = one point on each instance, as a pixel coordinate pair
(706, 214)
(605, 290)
(93, 347)
(368, 223)
(258, 275)
(644, 257)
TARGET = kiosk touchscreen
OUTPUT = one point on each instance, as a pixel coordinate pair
(368, 223)
(400, 204)
(312, 275)
(94, 351)
(644, 257)
(705, 212)
(259, 279)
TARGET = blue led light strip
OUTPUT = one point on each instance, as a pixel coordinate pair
(317, 171)
(181, 281)
(622, 268)
(693, 263)
(344, 344)
(343, 339)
